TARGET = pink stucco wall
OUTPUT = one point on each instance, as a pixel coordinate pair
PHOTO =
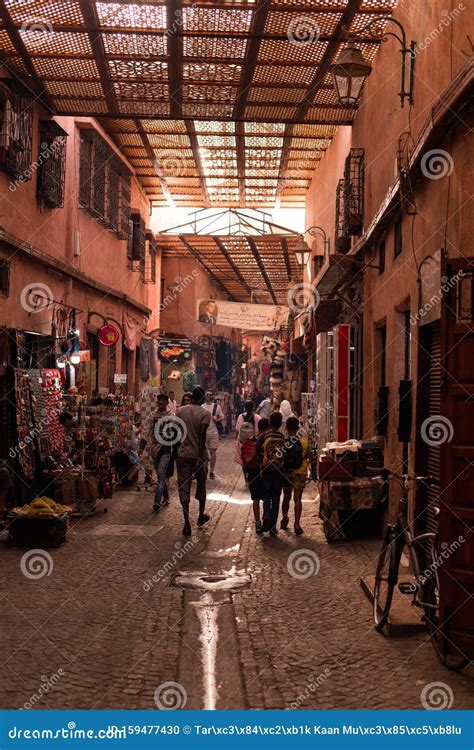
(444, 218)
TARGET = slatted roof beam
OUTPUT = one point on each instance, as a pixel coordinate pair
(174, 14)
(321, 71)
(191, 132)
(286, 257)
(205, 267)
(232, 264)
(240, 143)
(259, 19)
(262, 268)
(36, 84)
(89, 12)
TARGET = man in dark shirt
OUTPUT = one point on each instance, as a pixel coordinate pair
(191, 461)
(270, 451)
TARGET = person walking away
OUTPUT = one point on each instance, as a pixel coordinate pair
(270, 454)
(265, 408)
(238, 405)
(172, 405)
(161, 448)
(212, 437)
(285, 411)
(295, 462)
(252, 465)
(245, 429)
(191, 461)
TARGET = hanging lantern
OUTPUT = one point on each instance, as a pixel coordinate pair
(349, 74)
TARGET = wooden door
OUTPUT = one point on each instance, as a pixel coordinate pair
(456, 522)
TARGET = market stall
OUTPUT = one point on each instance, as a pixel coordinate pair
(347, 487)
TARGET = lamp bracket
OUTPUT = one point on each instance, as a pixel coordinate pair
(374, 29)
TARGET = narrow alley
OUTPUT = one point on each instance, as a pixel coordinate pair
(296, 635)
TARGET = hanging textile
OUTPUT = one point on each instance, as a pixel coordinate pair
(145, 358)
(129, 333)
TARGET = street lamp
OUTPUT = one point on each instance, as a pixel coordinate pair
(351, 69)
(302, 252)
(349, 74)
(316, 231)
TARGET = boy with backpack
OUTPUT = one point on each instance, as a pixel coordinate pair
(295, 461)
(270, 452)
(245, 430)
(251, 465)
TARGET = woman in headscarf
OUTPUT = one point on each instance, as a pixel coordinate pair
(285, 410)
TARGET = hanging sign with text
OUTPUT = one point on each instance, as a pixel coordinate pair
(242, 315)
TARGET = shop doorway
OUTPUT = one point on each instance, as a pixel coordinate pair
(456, 521)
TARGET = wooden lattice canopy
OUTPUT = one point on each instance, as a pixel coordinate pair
(214, 103)
(262, 268)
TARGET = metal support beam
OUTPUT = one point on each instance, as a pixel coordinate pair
(258, 260)
(210, 273)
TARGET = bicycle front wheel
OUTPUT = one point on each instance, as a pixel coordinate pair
(386, 576)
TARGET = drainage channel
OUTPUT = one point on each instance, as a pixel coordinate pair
(213, 679)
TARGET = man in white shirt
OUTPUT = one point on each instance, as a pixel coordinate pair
(172, 405)
(212, 438)
(265, 407)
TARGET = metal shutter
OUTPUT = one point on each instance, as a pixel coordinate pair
(434, 407)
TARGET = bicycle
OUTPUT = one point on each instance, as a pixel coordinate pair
(425, 585)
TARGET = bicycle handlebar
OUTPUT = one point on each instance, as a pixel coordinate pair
(388, 474)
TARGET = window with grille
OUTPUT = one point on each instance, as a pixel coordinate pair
(51, 165)
(381, 256)
(354, 191)
(137, 251)
(397, 237)
(16, 126)
(4, 277)
(343, 241)
(104, 184)
(149, 267)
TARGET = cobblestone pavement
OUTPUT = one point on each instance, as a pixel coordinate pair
(104, 629)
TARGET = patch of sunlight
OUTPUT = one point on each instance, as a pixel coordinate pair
(228, 499)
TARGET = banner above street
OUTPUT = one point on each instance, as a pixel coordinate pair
(242, 315)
